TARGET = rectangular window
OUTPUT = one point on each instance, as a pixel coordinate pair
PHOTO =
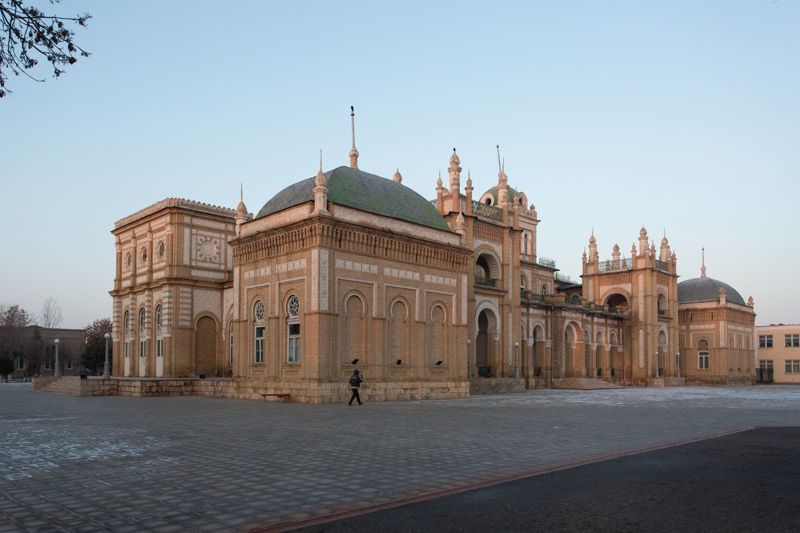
(259, 346)
(142, 348)
(765, 341)
(69, 364)
(294, 343)
(792, 340)
(792, 366)
(230, 350)
(48, 365)
(766, 364)
(19, 363)
(127, 350)
(160, 348)
(702, 360)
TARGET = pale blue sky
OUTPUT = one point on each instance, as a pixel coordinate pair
(612, 115)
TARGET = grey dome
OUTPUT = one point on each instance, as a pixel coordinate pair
(706, 290)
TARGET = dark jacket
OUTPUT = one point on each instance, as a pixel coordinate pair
(355, 380)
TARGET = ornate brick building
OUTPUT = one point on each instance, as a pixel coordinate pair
(430, 299)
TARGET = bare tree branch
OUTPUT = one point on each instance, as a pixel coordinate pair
(27, 33)
(51, 314)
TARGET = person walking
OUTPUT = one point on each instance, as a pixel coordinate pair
(355, 384)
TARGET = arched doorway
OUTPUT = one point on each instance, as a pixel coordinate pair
(205, 346)
(662, 354)
(588, 356)
(600, 355)
(537, 352)
(567, 364)
(487, 327)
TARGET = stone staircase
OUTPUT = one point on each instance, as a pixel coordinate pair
(67, 385)
(583, 384)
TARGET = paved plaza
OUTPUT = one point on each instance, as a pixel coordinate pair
(202, 464)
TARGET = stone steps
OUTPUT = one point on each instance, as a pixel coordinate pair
(67, 385)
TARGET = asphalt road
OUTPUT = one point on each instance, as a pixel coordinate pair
(748, 481)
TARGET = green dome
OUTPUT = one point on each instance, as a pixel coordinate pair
(363, 191)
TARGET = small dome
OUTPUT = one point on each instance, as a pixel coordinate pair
(706, 290)
(512, 193)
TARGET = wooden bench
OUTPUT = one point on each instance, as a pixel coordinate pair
(283, 395)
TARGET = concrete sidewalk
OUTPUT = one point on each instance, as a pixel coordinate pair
(193, 463)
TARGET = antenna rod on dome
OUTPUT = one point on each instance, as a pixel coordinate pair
(703, 267)
(499, 166)
(353, 124)
(353, 151)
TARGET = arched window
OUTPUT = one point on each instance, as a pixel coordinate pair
(702, 355)
(522, 286)
(482, 271)
(293, 328)
(488, 200)
(545, 289)
(258, 344)
(142, 341)
(158, 318)
(126, 322)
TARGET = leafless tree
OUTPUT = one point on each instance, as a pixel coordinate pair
(27, 34)
(51, 314)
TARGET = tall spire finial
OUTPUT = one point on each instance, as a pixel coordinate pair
(703, 267)
(320, 158)
(353, 151)
(499, 166)
(353, 124)
(241, 191)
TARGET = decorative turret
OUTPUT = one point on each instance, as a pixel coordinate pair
(242, 215)
(455, 173)
(397, 178)
(320, 190)
(468, 189)
(643, 241)
(502, 183)
(593, 257)
(353, 151)
(665, 255)
(615, 253)
(723, 296)
(460, 224)
(439, 193)
(750, 302)
(652, 249)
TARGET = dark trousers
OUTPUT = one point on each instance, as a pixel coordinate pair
(354, 396)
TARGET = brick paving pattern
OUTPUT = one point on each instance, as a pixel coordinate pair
(202, 464)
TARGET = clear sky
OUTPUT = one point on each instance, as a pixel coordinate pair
(679, 116)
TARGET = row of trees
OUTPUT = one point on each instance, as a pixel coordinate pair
(21, 336)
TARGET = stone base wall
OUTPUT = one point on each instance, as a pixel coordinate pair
(253, 389)
(496, 385)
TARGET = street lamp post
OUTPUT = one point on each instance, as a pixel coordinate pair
(516, 358)
(57, 369)
(678, 363)
(107, 364)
